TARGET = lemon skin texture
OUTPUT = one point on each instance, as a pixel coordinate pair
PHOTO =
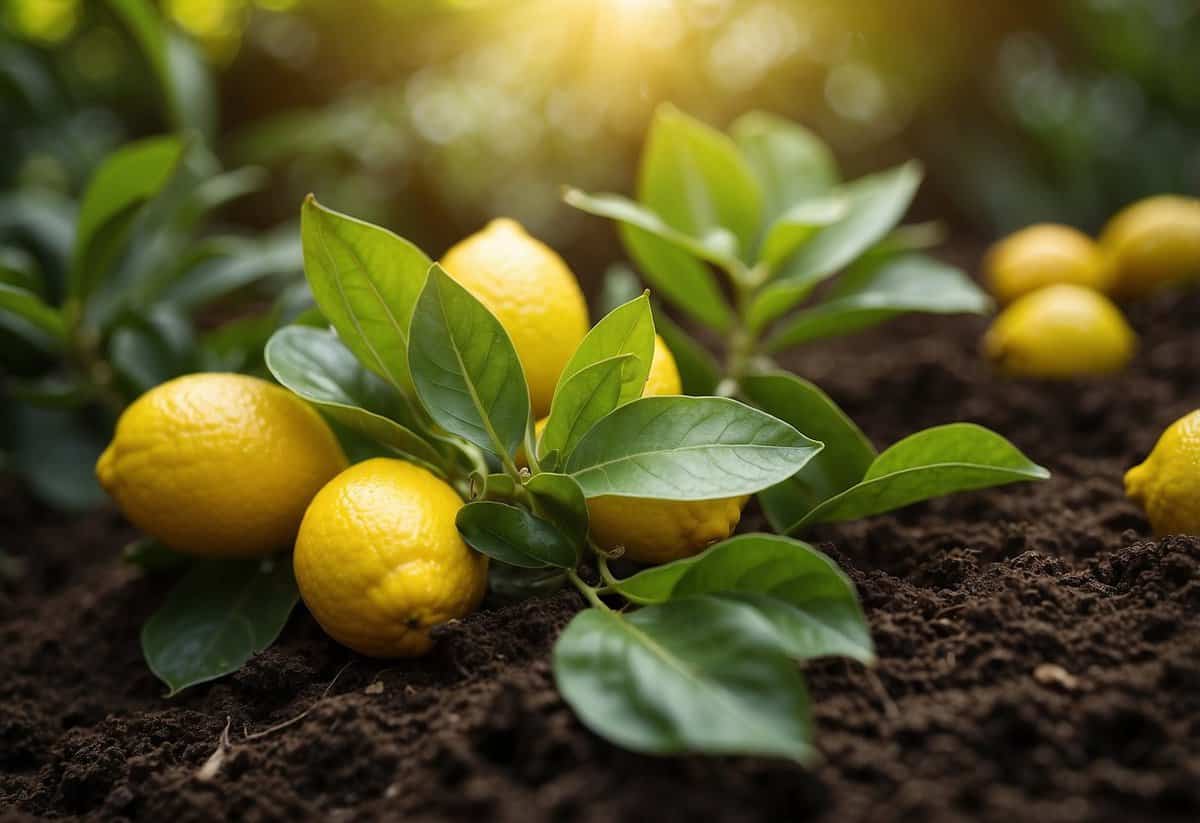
(1042, 255)
(219, 465)
(532, 292)
(1167, 484)
(1153, 244)
(659, 531)
(379, 560)
(1060, 332)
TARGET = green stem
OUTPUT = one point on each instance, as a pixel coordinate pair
(743, 341)
(587, 591)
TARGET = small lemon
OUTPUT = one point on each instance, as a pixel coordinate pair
(1167, 484)
(379, 560)
(1152, 244)
(533, 294)
(658, 531)
(1060, 331)
(1043, 255)
(219, 465)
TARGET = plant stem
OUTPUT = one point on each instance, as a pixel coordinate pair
(743, 341)
(587, 591)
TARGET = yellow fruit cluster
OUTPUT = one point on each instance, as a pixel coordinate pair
(218, 465)
(1057, 283)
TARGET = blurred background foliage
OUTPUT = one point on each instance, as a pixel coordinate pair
(432, 115)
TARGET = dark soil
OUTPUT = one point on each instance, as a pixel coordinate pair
(1039, 652)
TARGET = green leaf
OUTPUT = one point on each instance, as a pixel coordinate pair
(714, 248)
(699, 674)
(873, 294)
(559, 499)
(694, 177)
(842, 463)
(619, 286)
(29, 308)
(587, 396)
(151, 556)
(238, 345)
(315, 365)
(218, 616)
(877, 204)
(243, 263)
(515, 536)
(152, 349)
(799, 224)
(687, 448)
(125, 181)
(55, 452)
(627, 329)
(790, 163)
(512, 584)
(931, 463)
(698, 369)
(678, 277)
(366, 281)
(465, 369)
(797, 588)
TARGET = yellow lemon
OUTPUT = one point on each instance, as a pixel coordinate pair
(1060, 331)
(379, 560)
(533, 294)
(658, 531)
(1043, 255)
(1152, 244)
(219, 465)
(1167, 484)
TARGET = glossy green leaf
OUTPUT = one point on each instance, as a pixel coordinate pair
(697, 181)
(217, 617)
(125, 181)
(842, 463)
(687, 448)
(584, 399)
(800, 590)
(717, 248)
(626, 330)
(877, 204)
(314, 364)
(678, 277)
(465, 369)
(244, 262)
(698, 369)
(931, 463)
(700, 674)
(515, 536)
(28, 307)
(799, 224)
(863, 298)
(366, 281)
(790, 163)
(559, 499)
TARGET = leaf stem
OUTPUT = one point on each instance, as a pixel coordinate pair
(589, 592)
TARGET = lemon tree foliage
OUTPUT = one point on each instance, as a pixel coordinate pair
(765, 208)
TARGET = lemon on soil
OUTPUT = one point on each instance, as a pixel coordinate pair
(1153, 244)
(1167, 483)
(1043, 255)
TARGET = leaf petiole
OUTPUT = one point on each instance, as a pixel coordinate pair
(591, 593)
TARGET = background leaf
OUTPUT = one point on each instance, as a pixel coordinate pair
(790, 163)
(698, 369)
(56, 450)
(465, 369)
(800, 590)
(842, 463)
(875, 293)
(931, 463)
(219, 615)
(678, 277)
(28, 307)
(698, 674)
(514, 536)
(687, 448)
(366, 281)
(315, 365)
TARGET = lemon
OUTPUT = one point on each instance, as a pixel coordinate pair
(219, 465)
(1167, 484)
(658, 531)
(379, 560)
(533, 294)
(1060, 332)
(1043, 255)
(1152, 244)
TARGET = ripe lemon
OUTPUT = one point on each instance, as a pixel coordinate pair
(533, 294)
(1043, 255)
(219, 465)
(1153, 244)
(1060, 332)
(379, 560)
(658, 531)
(1167, 484)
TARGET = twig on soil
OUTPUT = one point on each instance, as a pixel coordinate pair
(246, 735)
(215, 760)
